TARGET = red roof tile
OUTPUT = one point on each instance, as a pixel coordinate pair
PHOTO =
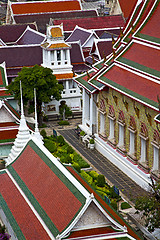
(8, 134)
(47, 188)
(129, 80)
(42, 7)
(144, 55)
(127, 6)
(152, 27)
(6, 124)
(27, 221)
(91, 23)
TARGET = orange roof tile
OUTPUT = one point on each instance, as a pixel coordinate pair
(64, 76)
(59, 45)
(56, 32)
(44, 7)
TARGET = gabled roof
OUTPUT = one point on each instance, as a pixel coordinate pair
(103, 47)
(30, 36)
(53, 200)
(91, 23)
(82, 35)
(19, 8)
(17, 57)
(10, 33)
(42, 19)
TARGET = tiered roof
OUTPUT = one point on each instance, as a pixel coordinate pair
(48, 202)
(137, 62)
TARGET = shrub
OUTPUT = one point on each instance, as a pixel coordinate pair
(43, 133)
(114, 204)
(60, 140)
(76, 166)
(70, 149)
(125, 205)
(101, 180)
(65, 159)
(63, 122)
(91, 141)
(82, 133)
(82, 163)
(50, 145)
(86, 176)
(93, 174)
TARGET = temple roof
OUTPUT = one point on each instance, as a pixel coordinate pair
(42, 19)
(10, 33)
(91, 23)
(19, 8)
(49, 200)
(30, 36)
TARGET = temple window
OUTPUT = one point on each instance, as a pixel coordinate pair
(132, 135)
(144, 137)
(156, 145)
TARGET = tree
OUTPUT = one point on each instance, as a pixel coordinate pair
(64, 110)
(47, 87)
(149, 205)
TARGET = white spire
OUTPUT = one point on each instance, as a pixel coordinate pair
(22, 136)
(36, 133)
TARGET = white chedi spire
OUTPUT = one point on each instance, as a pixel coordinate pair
(22, 136)
(36, 133)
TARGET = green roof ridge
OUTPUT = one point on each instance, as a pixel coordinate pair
(129, 92)
(11, 219)
(140, 67)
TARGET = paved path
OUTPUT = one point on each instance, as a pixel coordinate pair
(115, 176)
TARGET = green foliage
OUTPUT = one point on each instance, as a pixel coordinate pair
(47, 87)
(101, 180)
(66, 159)
(93, 174)
(114, 204)
(82, 133)
(60, 140)
(43, 133)
(50, 145)
(63, 122)
(125, 205)
(70, 149)
(64, 110)
(91, 141)
(86, 176)
(82, 163)
(149, 204)
(76, 166)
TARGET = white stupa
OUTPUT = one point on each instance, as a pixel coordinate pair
(22, 136)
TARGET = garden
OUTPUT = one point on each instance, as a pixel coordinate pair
(67, 155)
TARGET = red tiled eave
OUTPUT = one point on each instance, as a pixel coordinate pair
(8, 134)
(42, 7)
(129, 80)
(25, 218)
(144, 55)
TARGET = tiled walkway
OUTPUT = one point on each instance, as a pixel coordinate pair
(115, 176)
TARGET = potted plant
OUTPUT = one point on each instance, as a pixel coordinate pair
(91, 143)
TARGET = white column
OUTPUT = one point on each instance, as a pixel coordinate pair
(102, 124)
(121, 136)
(155, 159)
(143, 150)
(132, 143)
(84, 107)
(62, 57)
(49, 58)
(55, 57)
(68, 56)
(111, 129)
(91, 111)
